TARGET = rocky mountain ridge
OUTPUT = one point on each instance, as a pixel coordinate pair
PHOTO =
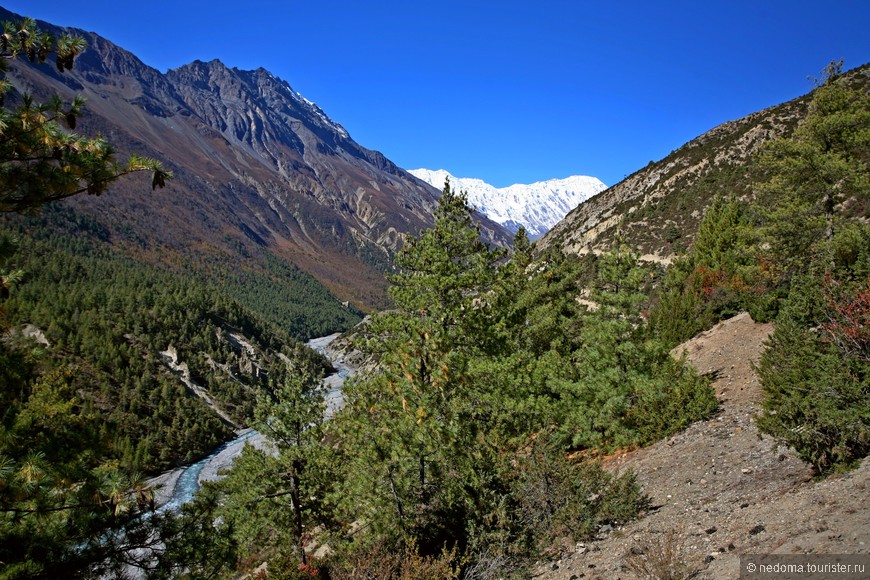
(536, 206)
(260, 171)
(657, 208)
(663, 202)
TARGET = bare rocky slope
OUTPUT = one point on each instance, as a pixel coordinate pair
(720, 490)
(658, 206)
(657, 209)
(259, 170)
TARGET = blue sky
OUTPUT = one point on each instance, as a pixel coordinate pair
(507, 91)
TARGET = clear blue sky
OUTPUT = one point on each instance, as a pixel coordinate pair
(503, 90)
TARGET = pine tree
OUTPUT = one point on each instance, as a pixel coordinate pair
(717, 278)
(39, 160)
(818, 174)
(608, 361)
(291, 418)
(815, 391)
(813, 212)
(627, 390)
(415, 423)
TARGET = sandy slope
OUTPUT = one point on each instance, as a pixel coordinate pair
(722, 488)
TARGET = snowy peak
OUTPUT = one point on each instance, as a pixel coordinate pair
(537, 206)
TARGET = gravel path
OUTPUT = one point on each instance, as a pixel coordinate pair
(720, 489)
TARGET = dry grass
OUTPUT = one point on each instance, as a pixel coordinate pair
(661, 556)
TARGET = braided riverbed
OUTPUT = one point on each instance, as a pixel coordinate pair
(177, 487)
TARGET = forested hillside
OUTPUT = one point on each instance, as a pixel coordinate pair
(263, 180)
(113, 369)
(116, 360)
(119, 318)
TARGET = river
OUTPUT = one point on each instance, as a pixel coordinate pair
(177, 487)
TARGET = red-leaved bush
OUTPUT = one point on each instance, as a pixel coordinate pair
(848, 313)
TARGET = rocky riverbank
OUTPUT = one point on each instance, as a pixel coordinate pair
(176, 487)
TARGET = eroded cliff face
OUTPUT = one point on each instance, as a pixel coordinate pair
(257, 166)
(295, 149)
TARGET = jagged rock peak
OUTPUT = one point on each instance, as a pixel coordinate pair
(215, 76)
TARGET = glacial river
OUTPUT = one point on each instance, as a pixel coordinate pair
(175, 488)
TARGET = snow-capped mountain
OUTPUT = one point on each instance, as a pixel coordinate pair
(537, 206)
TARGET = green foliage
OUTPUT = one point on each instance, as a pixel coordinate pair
(39, 160)
(288, 298)
(8, 276)
(817, 175)
(431, 451)
(188, 544)
(25, 39)
(622, 381)
(717, 278)
(61, 484)
(451, 457)
(118, 316)
(816, 388)
(274, 291)
(56, 489)
(271, 499)
(675, 398)
(556, 499)
(798, 253)
(815, 371)
(445, 273)
(414, 426)
(79, 417)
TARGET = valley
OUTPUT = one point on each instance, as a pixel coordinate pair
(558, 380)
(177, 487)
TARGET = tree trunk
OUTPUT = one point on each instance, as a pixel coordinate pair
(297, 511)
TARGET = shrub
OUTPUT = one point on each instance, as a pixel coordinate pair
(677, 397)
(816, 388)
(379, 560)
(558, 498)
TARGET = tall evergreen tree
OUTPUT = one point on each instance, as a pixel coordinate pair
(626, 389)
(814, 210)
(416, 418)
(811, 174)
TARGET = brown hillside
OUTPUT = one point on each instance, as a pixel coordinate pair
(721, 488)
(657, 209)
(259, 170)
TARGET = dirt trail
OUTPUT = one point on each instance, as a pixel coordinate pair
(722, 489)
